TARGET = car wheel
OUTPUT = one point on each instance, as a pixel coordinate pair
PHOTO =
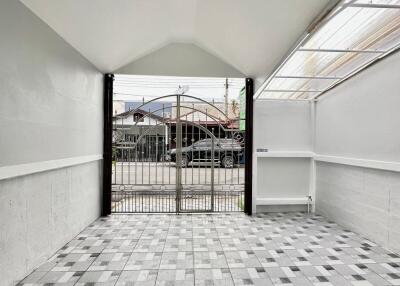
(184, 161)
(227, 162)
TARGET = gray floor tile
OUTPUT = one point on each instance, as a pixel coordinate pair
(218, 249)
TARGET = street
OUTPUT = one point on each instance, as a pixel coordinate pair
(164, 173)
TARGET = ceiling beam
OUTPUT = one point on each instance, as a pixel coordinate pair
(380, 6)
(291, 90)
(282, 99)
(341, 51)
(307, 77)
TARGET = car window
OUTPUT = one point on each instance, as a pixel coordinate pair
(229, 143)
(201, 144)
(218, 142)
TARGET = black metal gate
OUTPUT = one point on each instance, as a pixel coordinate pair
(185, 157)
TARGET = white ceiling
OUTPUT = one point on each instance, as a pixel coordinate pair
(251, 35)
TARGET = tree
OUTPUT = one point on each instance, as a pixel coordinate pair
(235, 107)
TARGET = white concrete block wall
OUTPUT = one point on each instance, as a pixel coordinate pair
(50, 109)
(364, 200)
(361, 119)
(41, 212)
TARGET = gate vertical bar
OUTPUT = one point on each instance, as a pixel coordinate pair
(212, 172)
(178, 154)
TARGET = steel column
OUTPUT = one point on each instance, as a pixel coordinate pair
(248, 182)
(107, 143)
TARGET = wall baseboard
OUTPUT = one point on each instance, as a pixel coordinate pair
(8, 172)
(373, 164)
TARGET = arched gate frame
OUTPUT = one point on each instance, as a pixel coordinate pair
(160, 162)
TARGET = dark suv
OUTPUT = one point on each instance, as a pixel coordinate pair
(227, 152)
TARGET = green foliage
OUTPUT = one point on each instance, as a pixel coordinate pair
(114, 155)
(241, 203)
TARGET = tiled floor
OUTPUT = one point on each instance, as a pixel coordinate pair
(218, 249)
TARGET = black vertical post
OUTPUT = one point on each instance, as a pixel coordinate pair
(248, 182)
(107, 143)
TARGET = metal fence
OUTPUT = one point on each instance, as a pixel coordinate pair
(165, 201)
(182, 163)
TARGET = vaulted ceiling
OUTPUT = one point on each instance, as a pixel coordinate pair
(250, 35)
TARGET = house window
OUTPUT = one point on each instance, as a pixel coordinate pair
(138, 117)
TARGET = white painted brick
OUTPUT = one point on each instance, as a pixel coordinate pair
(366, 201)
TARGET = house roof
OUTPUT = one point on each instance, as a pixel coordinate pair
(140, 111)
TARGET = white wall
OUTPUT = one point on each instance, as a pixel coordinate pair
(50, 95)
(361, 119)
(281, 126)
(283, 177)
(180, 59)
(50, 109)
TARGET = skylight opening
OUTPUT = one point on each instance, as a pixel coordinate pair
(355, 34)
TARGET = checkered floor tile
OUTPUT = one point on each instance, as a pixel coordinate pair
(218, 249)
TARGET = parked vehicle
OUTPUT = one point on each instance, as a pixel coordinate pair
(227, 153)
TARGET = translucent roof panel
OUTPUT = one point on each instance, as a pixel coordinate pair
(357, 29)
(325, 64)
(288, 95)
(354, 35)
(305, 84)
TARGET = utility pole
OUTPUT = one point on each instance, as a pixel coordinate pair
(226, 96)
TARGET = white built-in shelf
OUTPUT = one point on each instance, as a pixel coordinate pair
(374, 164)
(285, 154)
(282, 201)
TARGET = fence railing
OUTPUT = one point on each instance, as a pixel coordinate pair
(166, 201)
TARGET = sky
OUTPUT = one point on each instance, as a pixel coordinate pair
(135, 87)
